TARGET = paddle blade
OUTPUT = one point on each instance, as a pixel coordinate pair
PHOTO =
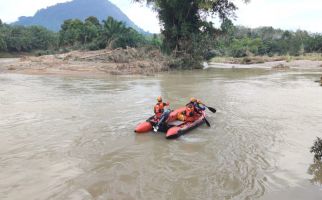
(212, 109)
(208, 124)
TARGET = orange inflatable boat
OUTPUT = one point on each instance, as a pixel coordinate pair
(173, 127)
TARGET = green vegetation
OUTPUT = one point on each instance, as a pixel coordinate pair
(317, 148)
(74, 34)
(188, 36)
(92, 35)
(241, 41)
(25, 39)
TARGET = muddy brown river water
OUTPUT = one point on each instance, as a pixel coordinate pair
(72, 137)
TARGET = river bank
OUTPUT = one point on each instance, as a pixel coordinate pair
(137, 61)
(272, 65)
(116, 62)
(264, 59)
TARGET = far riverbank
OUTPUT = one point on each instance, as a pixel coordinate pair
(138, 61)
(115, 62)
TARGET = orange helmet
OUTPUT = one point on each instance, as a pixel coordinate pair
(193, 100)
(159, 99)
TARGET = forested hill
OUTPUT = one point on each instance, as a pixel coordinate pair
(54, 16)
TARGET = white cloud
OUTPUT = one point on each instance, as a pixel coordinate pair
(286, 14)
(140, 15)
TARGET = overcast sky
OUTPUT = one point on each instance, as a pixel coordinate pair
(285, 14)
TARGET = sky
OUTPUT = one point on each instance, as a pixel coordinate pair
(285, 14)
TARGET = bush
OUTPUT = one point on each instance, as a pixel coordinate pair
(92, 46)
(317, 148)
(43, 52)
(185, 62)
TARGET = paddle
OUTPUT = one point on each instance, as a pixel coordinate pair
(208, 124)
(211, 109)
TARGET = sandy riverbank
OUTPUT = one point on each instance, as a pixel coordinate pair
(273, 65)
(119, 61)
(122, 62)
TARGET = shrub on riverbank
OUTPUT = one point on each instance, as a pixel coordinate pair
(239, 42)
(317, 148)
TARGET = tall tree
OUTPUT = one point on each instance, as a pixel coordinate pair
(113, 31)
(72, 32)
(42, 38)
(183, 21)
(18, 39)
(92, 29)
(3, 45)
(93, 20)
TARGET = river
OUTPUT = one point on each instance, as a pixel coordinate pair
(72, 137)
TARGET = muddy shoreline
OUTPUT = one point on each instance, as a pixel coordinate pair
(122, 62)
(274, 65)
(102, 62)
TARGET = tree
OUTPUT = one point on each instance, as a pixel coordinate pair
(3, 45)
(156, 41)
(92, 29)
(93, 20)
(180, 19)
(314, 43)
(42, 38)
(72, 32)
(228, 30)
(18, 39)
(113, 31)
(93, 35)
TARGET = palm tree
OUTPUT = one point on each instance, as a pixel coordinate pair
(113, 30)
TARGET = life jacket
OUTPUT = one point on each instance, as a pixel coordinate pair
(159, 109)
(198, 108)
(181, 116)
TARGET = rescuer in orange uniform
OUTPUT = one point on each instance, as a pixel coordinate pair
(159, 107)
(160, 113)
(193, 109)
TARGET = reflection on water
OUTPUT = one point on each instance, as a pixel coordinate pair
(72, 137)
(315, 170)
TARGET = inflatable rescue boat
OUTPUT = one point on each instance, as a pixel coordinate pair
(172, 127)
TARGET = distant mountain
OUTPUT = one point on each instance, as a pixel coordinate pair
(52, 17)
